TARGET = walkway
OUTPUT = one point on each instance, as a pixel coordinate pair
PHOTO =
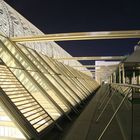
(86, 128)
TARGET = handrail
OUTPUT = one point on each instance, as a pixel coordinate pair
(126, 85)
(114, 114)
(127, 91)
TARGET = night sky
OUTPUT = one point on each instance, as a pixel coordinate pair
(62, 16)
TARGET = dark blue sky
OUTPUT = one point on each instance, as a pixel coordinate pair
(84, 15)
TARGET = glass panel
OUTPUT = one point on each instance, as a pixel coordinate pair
(69, 81)
(8, 128)
(53, 77)
(22, 99)
(40, 77)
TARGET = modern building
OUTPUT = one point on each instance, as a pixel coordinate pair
(38, 93)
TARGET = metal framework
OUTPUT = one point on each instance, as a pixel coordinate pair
(38, 89)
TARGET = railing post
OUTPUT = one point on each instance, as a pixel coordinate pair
(123, 74)
(119, 74)
(132, 126)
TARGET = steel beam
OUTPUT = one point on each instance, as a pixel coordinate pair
(93, 58)
(80, 36)
(94, 66)
(91, 70)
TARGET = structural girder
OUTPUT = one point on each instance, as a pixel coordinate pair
(93, 58)
(80, 36)
(94, 66)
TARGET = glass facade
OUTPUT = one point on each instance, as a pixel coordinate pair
(40, 89)
(36, 90)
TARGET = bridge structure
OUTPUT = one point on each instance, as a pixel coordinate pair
(44, 90)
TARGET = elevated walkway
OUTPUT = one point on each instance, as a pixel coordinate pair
(107, 116)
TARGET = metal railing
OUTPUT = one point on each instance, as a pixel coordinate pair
(120, 97)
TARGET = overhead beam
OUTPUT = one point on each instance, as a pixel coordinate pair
(84, 66)
(90, 70)
(93, 70)
(79, 36)
(94, 66)
(93, 58)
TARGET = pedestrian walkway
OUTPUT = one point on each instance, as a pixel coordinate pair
(85, 126)
(107, 116)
